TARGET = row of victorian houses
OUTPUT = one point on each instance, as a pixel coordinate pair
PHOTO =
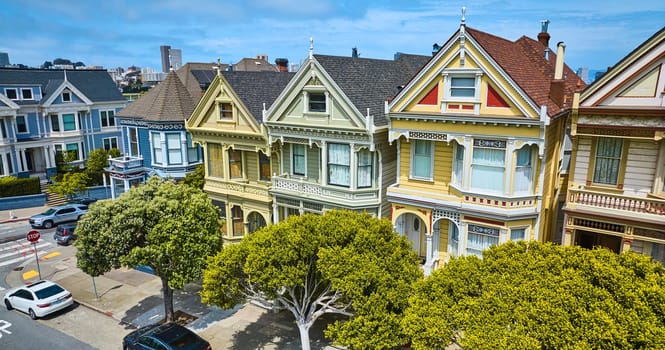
(486, 140)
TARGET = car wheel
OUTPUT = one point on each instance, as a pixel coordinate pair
(32, 314)
(48, 224)
(8, 305)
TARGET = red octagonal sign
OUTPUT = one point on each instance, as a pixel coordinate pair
(33, 236)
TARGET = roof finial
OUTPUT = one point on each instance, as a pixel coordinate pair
(463, 14)
(311, 47)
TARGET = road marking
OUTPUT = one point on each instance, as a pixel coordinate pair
(15, 253)
(3, 327)
(51, 255)
(30, 274)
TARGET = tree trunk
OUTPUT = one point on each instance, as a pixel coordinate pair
(168, 300)
(304, 335)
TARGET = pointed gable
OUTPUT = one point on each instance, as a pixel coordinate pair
(168, 101)
(432, 97)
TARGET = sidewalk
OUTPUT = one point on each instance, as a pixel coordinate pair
(133, 298)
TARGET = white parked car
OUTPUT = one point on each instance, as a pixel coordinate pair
(38, 299)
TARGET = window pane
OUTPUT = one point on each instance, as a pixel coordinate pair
(462, 87)
(68, 122)
(27, 94)
(480, 238)
(487, 169)
(365, 168)
(133, 142)
(298, 155)
(55, 122)
(73, 150)
(317, 102)
(517, 234)
(608, 159)
(458, 165)
(339, 161)
(235, 163)
(156, 148)
(173, 144)
(523, 170)
(21, 125)
(225, 111)
(422, 159)
(264, 167)
(215, 161)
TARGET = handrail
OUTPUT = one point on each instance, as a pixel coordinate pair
(617, 202)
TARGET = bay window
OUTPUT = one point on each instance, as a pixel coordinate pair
(157, 155)
(421, 159)
(298, 159)
(235, 163)
(215, 160)
(488, 165)
(264, 167)
(133, 142)
(365, 166)
(192, 150)
(480, 238)
(173, 146)
(523, 170)
(339, 163)
(458, 165)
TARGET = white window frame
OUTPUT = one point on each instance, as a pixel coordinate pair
(16, 98)
(133, 132)
(173, 148)
(360, 166)
(458, 165)
(413, 160)
(339, 165)
(69, 96)
(23, 90)
(293, 163)
(485, 233)
(110, 141)
(25, 122)
(79, 149)
(223, 111)
(156, 145)
(525, 233)
(480, 144)
(519, 167)
(104, 116)
(597, 164)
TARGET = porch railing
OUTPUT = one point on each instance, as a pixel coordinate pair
(637, 205)
(314, 190)
(125, 163)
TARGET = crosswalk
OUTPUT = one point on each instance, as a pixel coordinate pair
(17, 251)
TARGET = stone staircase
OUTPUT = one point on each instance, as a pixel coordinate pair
(52, 199)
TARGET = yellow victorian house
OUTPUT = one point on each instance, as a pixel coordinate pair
(228, 124)
(616, 192)
(478, 133)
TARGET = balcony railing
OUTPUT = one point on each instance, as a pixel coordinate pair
(315, 190)
(633, 205)
(125, 163)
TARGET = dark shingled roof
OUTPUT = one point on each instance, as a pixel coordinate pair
(168, 101)
(96, 85)
(524, 61)
(197, 76)
(368, 82)
(256, 88)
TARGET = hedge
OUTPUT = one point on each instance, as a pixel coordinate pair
(11, 186)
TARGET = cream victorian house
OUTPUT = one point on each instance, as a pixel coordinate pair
(229, 124)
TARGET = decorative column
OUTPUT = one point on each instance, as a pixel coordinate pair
(24, 162)
(112, 187)
(47, 159)
(275, 210)
(5, 165)
(324, 163)
(353, 169)
(436, 239)
(429, 263)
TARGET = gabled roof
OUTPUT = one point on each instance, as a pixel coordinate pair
(524, 61)
(167, 102)
(96, 85)
(198, 76)
(368, 82)
(254, 65)
(257, 88)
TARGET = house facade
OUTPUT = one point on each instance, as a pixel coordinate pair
(228, 124)
(478, 134)
(43, 112)
(331, 135)
(616, 191)
(155, 139)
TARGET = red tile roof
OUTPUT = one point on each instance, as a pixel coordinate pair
(524, 61)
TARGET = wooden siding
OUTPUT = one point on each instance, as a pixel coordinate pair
(640, 168)
(582, 159)
(252, 168)
(313, 163)
(387, 171)
(442, 168)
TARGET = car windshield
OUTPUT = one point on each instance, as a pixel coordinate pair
(48, 291)
(49, 212)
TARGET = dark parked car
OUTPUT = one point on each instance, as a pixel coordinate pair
(56, 215)
(167, 336)
(83, 200)
(64, 233)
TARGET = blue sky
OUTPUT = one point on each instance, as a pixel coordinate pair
(114, 33)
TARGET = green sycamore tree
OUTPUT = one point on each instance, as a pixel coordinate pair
(196, 178)
(541, 296)
(70, 184)
(98, 159)
(169, 227)
(341, 262)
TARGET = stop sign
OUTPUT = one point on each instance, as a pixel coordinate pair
(33, 236)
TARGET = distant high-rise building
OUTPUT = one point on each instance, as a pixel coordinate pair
(4, 59)
(583, 73)
(175, 56)
(166, 62)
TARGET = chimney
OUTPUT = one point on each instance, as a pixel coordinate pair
(435, 49)
(354, 52)
(544, 36)
(557, 84)
(282, 64)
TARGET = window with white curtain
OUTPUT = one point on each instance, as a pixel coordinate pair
(365, 163)
(133, 141)
(608, 159)
(523, 170)
(480, 238)
(517, 234)
(454, 240)
(488, 165)
(174, 148)
(421, 159)
(298, 159)
(339, 163)
(156, 140)
(458, 165)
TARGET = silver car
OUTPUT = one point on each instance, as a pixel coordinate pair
(56, 215)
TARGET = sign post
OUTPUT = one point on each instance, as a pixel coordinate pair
(33, 237)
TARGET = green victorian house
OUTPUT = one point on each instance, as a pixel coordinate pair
(331, 132)
(228, 123)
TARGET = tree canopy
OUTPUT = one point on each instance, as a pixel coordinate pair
(98, 159)
(541, 296)
(196, 178)
(339, 262)
(169, 227)
(70, 184)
